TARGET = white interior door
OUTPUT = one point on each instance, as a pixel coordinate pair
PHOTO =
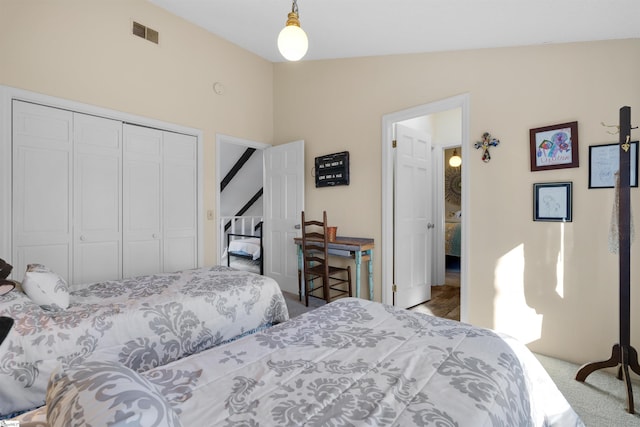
(413, 218)
(283, 204)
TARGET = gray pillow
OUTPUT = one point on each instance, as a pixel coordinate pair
(105, 393)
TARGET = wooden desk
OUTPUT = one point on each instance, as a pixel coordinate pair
(357, 248)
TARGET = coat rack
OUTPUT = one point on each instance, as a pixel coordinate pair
(623, 355)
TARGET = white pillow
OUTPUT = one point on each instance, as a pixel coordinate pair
(45, 288)
(105, 394)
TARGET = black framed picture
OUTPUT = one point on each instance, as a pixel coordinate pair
(552, 201)
(604, 162)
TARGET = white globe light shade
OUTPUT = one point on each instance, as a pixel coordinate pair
(293, 42)
(455, 161)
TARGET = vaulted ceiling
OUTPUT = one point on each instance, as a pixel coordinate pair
(353, 28)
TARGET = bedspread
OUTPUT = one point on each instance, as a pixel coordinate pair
(142, 322)
(351, 362)
(249, 247)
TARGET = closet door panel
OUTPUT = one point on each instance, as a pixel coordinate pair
(180, 201)
(43, 178)
(98, 199)
(42, 188)
(142, 190)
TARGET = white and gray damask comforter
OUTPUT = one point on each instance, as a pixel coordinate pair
(142, 322)
(349, 363)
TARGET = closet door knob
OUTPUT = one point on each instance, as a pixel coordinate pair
(83, 239)
(430, 226)
(155, 235)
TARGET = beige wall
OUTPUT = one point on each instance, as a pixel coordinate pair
(83, 50)
(553, 285)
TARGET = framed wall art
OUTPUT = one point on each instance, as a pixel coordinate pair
(552, 201)
(554, 147)
(604, 162)
(332, 169)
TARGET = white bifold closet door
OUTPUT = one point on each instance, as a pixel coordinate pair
(42, 196)
(142, 200)
(97, 243)
(180, 201)
(97, 199)
(160, 201)
(67, 198)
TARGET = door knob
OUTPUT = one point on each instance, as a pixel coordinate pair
(82, 238)
(297, 226)
(430, 226)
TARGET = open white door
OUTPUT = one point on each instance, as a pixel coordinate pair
(413, 224)
(283, 203)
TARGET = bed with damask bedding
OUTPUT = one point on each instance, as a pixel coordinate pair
(351, 362)
(141, 323)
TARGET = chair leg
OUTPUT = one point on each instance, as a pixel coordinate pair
(299, 285)
(306, 290)
(326, 289)
(349, 279)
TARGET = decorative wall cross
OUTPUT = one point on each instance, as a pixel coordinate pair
(487, 141)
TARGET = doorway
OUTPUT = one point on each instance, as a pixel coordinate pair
(388, 123)
(282, 180)
(241, 189)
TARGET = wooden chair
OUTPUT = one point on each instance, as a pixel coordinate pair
(317, 273)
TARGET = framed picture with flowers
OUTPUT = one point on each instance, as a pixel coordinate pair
(554, 147)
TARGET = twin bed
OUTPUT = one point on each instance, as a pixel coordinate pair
(350, 362)
(141, 323)
(244, 252)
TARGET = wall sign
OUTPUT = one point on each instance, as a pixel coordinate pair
(332, 169)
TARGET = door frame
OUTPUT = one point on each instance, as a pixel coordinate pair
(388, 120)
(222, 138)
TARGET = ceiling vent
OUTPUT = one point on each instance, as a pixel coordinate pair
(145, 32)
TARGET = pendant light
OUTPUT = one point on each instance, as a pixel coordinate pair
(455, 160)
(292, 40)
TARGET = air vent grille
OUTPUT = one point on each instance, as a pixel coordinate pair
(145, 32)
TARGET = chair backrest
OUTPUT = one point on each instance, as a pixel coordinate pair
(314, 242)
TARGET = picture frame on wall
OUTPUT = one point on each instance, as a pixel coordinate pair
(554, 147)
(552, 201)
(604, 162)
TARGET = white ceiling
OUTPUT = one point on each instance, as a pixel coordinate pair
(352, 28)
